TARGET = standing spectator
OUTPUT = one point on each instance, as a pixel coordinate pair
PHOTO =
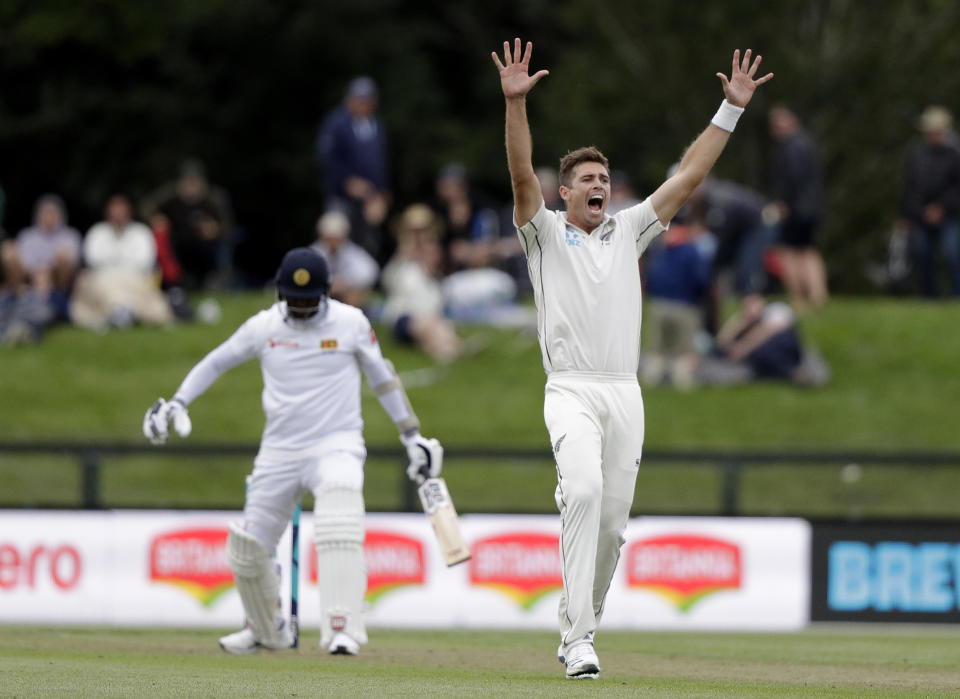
(352, 153)
(415, 304)
(119, 285)
(199, 221)
(931, 196)
(798, 201)
(353, 272)
(39, 269)
(734, 215)
(677, 278)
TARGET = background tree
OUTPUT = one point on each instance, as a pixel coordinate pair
(111, 95)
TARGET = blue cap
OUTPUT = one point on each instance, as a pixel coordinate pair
(303, 274)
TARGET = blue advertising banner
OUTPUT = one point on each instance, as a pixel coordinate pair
(886, 572)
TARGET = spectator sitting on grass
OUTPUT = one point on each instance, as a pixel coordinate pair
(414, 305)
(762, 341)
(39, 268)
(199, 220)
(120, 285)
(353, 272)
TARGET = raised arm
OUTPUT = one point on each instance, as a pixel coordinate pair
(516, 82)
(704, 151)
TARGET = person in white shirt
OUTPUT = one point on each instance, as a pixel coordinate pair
(414, 306)
(118, 286)
(583, 266)
(312, 350)
(353, 272)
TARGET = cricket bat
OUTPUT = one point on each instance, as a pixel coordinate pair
(439, 509)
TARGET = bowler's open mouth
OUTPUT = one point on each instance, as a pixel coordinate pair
(595, 203)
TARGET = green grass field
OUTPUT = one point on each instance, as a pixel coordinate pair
(896, 366)
(821, 662)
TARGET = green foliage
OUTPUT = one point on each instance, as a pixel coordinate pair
(113, 95)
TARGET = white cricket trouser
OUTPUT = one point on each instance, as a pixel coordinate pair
(595, 423)
(280, 478)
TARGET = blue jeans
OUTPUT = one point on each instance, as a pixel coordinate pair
(923, 240)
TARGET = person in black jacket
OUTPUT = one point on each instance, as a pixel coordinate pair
(798, 203)
(931, 198)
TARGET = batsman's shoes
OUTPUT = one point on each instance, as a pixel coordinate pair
(560, 654)
(343, 644)
(581, 660)
(243, 642)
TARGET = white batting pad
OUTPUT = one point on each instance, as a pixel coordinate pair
(257, 583)
(341, 567)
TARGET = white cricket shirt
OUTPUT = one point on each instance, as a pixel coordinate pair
(311, 372)
(587, 288)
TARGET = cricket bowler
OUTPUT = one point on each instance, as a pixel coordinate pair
(586, 282)
(312, 350)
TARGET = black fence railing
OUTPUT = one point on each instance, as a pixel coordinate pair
(729, 464)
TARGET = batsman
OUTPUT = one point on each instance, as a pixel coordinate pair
(312, 350)
(583, 266)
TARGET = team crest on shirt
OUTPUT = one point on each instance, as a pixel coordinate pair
(328, 344)
(572, 238)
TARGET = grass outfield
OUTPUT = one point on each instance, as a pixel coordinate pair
(896, 366)
(823, 662)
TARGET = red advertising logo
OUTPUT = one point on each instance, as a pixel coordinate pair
(193, 559)
(684, 568)
(524, 566)
(393, 560)
(62, 565)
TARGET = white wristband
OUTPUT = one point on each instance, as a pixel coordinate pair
(726, 117)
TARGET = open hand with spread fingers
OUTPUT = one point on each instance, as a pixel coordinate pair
(515, 78)
(740, 87)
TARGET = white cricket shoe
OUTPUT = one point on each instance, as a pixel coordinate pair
(243, 642)
(581, 659)
(560, 654)
(343, 644)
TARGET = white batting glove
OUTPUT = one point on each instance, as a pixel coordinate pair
(426, 457)
(156, 423)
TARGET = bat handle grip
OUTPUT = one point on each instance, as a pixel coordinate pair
(424, 471)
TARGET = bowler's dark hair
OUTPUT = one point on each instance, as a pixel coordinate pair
(587, 154)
